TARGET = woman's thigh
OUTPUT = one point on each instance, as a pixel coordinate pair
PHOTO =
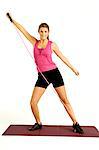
(61, 91)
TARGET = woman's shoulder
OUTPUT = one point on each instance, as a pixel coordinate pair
(53, 44)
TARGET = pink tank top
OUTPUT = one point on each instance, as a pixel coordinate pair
(43, 57)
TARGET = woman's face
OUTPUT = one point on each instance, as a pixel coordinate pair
(43, 31)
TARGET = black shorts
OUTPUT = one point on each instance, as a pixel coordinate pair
(53, 76)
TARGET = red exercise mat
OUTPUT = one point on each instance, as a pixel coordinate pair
(51, 130)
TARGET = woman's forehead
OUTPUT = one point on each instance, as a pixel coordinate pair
(44, 28)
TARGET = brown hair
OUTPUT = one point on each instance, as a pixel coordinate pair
(44, 25)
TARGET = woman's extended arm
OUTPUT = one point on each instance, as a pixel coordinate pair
(63, 58)
(23, 30)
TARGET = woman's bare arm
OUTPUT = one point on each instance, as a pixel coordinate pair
(25, 33)
(63, 58)
(23, 30)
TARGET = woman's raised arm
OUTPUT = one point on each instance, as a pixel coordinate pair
(23, 30)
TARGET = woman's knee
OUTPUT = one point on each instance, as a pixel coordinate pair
(33, 103)
(36, 95)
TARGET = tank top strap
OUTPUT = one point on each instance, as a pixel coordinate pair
(50, 42)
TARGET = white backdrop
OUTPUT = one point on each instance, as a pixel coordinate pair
(74, 26)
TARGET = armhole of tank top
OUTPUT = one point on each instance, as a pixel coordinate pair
(35, 43)
(50, 46)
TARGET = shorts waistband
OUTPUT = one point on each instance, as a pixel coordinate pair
(49, 70)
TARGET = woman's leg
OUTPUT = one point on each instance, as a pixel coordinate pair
(36, 95)
(63, 97)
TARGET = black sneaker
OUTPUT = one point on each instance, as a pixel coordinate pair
(77, 128)
(36, 126)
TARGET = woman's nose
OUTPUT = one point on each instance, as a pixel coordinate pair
(43, 34)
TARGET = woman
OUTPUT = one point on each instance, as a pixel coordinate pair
(43, 49)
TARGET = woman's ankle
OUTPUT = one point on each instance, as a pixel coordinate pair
(74, 122)
(39, 122)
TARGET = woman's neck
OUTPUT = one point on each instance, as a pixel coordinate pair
(43, 41)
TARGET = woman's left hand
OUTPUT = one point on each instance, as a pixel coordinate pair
(76, 72)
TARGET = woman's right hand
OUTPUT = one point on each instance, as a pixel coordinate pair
(10, 18)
